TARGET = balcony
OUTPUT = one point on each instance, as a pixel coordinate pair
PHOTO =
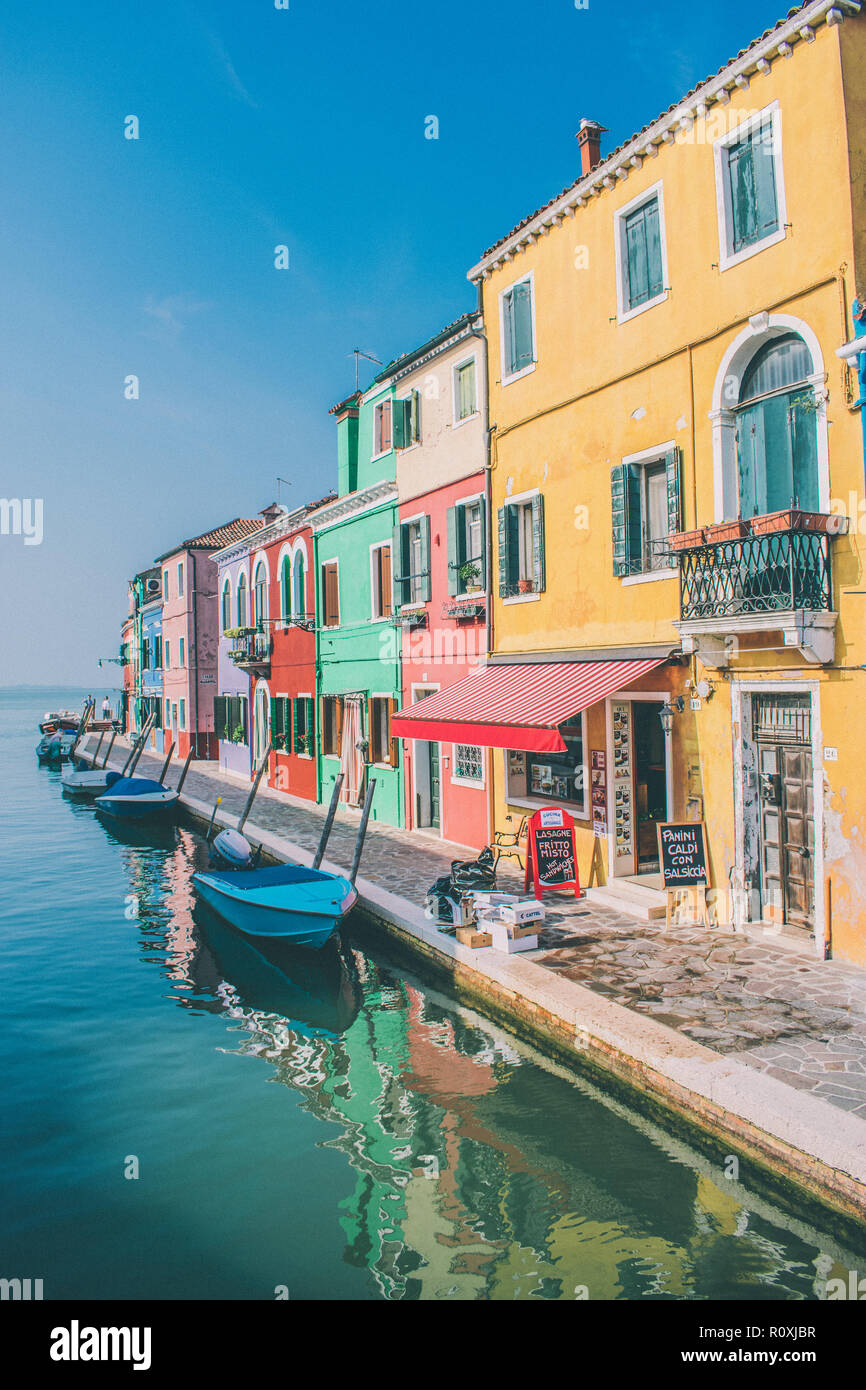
(775, 578)
(251, 650)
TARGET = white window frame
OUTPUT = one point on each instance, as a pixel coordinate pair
(456, 421)
(379, 545)
(330, 627)
(468, 781)
(647, 457)
(381, 695)
(305, 695)
(727, 257)
(623, 313)
(507, 377)
(401, 400)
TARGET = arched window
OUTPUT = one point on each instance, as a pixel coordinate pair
(260, 587)
(777, 431)
(286, 589)
(299, 585)
(242, 600)
(227, 606)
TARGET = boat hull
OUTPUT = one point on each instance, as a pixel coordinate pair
(87, 784)
(310, 925)
(137, 807)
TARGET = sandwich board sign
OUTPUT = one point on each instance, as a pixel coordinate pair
(683, 859)
(551, 858)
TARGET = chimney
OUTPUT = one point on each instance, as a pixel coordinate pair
(589, 139)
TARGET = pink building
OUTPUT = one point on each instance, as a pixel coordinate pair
(440, 569)
(190, 636)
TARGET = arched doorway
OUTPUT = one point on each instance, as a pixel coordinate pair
(261, 722)
(776, 430)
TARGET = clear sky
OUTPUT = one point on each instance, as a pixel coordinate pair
(155, 257)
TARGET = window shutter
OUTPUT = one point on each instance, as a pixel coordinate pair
(673, 470)
(393, 743)
(385, 579)
(655, 278)
(426, 587)
(275, 715)
(538, 568)
(398, 567)
(619, 517)
(338, 720)
(764, 173)
(451, 524)
(415, 417)
(804, 450)
(636, 256)
(751, 459)
(508, 330)
(482, 559)
(402, 424)
(219, 716)
(374, 754)
(504, 565)
(522, 325)
(742, 186)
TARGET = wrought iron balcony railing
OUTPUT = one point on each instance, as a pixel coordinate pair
(251, 649)
(776, 573)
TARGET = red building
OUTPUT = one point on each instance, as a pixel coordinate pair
(284, 680)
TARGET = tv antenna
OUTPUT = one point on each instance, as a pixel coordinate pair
(358, 354)
(281, 480)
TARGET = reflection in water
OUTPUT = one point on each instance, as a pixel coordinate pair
(480, 1170)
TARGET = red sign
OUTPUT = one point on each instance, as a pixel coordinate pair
(551, 859)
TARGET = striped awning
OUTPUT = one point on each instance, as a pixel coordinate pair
(519, 707)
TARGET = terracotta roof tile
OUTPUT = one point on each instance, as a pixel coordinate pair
(227, 534)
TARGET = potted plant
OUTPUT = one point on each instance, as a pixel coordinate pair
(525, 586)
(279, 742)
(791, 519)
(239, 734)
(470, 574)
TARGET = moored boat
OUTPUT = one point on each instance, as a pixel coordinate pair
(55, 748)
(231, 850)
(137, 798)
(288, 902)
(89, 781)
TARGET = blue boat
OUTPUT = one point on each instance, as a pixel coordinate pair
(137, 798)
(287, 902)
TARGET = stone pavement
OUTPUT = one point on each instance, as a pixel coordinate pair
(799, 1020)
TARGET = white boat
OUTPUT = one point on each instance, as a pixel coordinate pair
(89, 781)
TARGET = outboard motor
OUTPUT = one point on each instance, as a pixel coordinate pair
(231, 850)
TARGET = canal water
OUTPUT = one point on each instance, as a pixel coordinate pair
(185, 1117)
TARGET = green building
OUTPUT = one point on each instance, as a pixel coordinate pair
(358, 648)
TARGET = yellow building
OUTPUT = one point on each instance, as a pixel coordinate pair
(664, 358)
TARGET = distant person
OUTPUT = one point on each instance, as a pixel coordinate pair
(106, 708)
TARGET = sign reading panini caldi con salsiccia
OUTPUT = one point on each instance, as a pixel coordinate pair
(683, 854)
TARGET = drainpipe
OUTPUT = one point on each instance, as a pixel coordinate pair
(488, 539)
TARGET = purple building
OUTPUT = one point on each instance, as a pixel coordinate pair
(232, 713)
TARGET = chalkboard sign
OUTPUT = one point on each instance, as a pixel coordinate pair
(683, 854)
(551, 860)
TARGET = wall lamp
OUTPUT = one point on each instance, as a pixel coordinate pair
(667, 712)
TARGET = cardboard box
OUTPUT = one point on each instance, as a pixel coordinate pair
(518, 931)
(505, 940)
(468, 936)
(519, 912)
(487, 899)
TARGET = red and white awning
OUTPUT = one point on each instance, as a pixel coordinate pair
(517, 707)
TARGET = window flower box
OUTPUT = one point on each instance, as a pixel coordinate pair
(686, 540)
(794, 520)
(410, 617)
(725, 531)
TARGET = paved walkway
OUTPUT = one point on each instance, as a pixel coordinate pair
(800, 1021)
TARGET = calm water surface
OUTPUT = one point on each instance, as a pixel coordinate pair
(328, 1125)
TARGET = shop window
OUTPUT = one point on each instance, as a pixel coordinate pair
(467, 568)
(521, 547)
(411, 547)
(550, 777)
(645, 509)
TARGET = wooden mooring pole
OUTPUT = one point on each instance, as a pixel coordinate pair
(362, 831)
(184, 771)
(329, 821)
(252, 796)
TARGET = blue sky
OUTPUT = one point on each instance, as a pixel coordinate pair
(260, 127)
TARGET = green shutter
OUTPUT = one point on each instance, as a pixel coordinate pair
(741, 184)
(402, 424)
(636, 256)
(538, 567)
(804, 448)
(619, 517)
(219, 716)
(482, 559)
(504, 558)
(764, 170)
(522, 334)
(398, 567)
(276, 727)
(414, 417)
(452, 517)
(673, 470)
(426, 587)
